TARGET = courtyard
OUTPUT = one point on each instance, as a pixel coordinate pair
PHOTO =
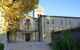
(28, 46)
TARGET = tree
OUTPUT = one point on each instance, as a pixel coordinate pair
(15, 9)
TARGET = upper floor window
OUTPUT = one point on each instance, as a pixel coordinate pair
(53, 22)
(78, 22)
(47, 21)
(17, 19)
(14, 0)
(70, 22)
(27, 20)
(61, 22)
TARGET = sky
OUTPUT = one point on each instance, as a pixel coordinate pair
(61, 7)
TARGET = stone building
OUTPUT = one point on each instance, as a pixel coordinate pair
(39, 29)
(58, 23)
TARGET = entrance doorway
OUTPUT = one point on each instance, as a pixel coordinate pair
(8, 36)
(27, 37)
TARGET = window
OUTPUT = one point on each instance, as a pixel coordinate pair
(78, 22)
(14, 0)
(70, 22)
(53, 21)
(27, 20)
(47, 21)
(17, 19)
(61, 22)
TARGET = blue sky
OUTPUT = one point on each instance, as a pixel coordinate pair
(61, 7)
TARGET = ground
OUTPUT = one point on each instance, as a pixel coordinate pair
(28, 46)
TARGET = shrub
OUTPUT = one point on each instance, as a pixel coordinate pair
(1, 46)
(64, 43)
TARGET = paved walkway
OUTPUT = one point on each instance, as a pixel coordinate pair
(28, 46)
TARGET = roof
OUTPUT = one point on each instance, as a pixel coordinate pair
(58, 16)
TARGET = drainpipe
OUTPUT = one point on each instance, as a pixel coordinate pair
(66, 23)
(39, 31)
(33, 13)
(44, 26)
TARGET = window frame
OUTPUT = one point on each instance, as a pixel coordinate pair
(70, 22)
(47, 21)
(28, 20)
(53, 21)
(61, 21)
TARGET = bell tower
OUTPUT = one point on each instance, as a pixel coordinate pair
(39, 10)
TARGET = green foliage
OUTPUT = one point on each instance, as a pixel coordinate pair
(15, 9)
(52, 35)
(14, 30)
(65, 43)
(66, 37)
(20, 5)
(55, 45)
(1, 46)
